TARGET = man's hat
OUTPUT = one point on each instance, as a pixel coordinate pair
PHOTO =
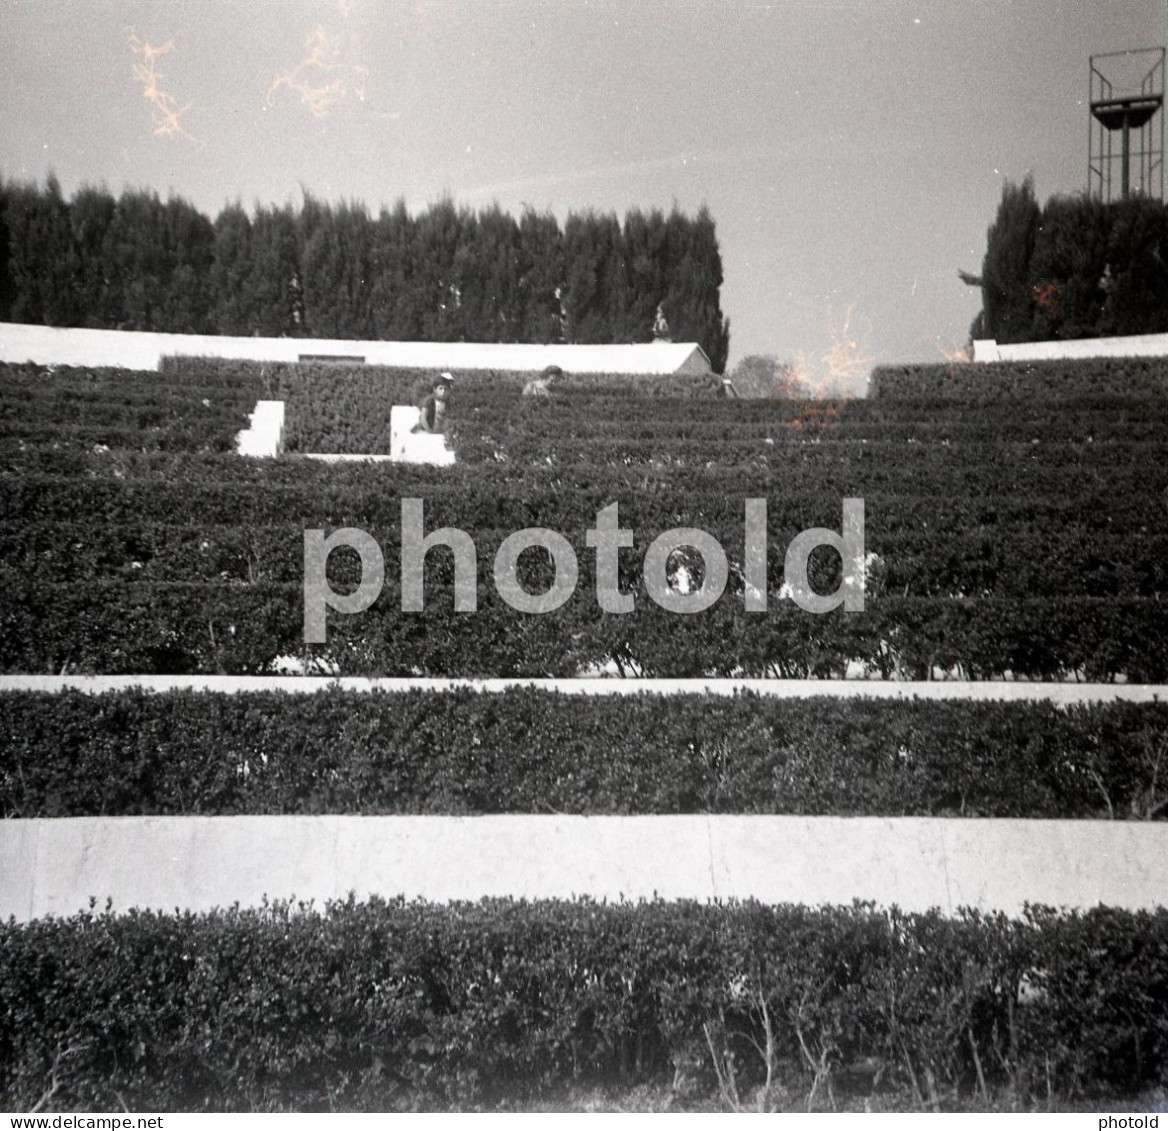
(446, 376)
(552, 371)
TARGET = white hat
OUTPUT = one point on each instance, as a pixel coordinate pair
(446, 376)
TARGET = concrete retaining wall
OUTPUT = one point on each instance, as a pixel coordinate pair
(54, 866)
(978, 690)
(133, 349)
(1136, 345)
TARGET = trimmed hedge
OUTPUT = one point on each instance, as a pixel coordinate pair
(528, 751)
(1019, 542)
(82, 407)
(346, 408)
(242, 628)
(394, 1006)
(928, 547)
(1008, 382)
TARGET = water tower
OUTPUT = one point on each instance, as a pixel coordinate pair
(1125, 151)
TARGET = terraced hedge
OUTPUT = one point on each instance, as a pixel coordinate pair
(122, 627)
(1013, 382)
(527, 751)
(346, 408)
(158, 571)
(1023, 541)
(393, 1006)
(117, 408)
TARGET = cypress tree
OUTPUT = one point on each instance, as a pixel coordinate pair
(187, 299)
(591, 243)
(395, 312)
(332, 271)
(1066, 267)
(1134, 283)
(5, 278)
(92, 213)
(231, 272)
(59, 270)
(491, 307)
(694, 278)
(43, 262)
(21, 205)
(541, 277)
(136, 253)
(645, 251)
(274, 288)
(437, 234)
(354, 271)
(1005, 273)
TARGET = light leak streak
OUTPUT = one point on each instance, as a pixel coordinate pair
(165, 111)
(842, 369)
(322, 78)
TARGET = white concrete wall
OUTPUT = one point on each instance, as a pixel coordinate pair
(1062, 694)
(54, 866)
(1138, 345)
(129, 349)
(346, 457)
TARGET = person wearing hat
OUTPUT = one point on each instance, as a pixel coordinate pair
(541, 385)
(433, 418)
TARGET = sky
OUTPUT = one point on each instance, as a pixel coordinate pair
(851, 152)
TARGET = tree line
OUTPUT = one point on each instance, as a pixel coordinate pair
(1075, 267)
(323, 270)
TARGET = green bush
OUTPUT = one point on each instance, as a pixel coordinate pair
(390, 1006)
(1014, 541)
(346, 408)
(83, 407)
(531, 751)
(1096, 381)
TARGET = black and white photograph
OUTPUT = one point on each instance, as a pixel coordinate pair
(583, 556)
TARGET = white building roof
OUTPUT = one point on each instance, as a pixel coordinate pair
(130, 349)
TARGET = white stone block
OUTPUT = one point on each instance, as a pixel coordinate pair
(265, 438)
(407, 446)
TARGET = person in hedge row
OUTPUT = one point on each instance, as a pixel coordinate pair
(433, 418)
(541, 386)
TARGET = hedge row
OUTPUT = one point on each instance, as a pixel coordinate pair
(474, 445)
(1008, 382)
(194, 558)
(1098, 475)
(1026, 559)
(490, 422)
(411, 379)
(342, 408)
(650, 502)
(346, 408)
(1099, 478)
(68, 381)
(83, 407)
(529, 751)
(1089, 542)
(390, 1006)
(124, 626)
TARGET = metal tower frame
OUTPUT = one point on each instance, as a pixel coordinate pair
(1135, 115)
